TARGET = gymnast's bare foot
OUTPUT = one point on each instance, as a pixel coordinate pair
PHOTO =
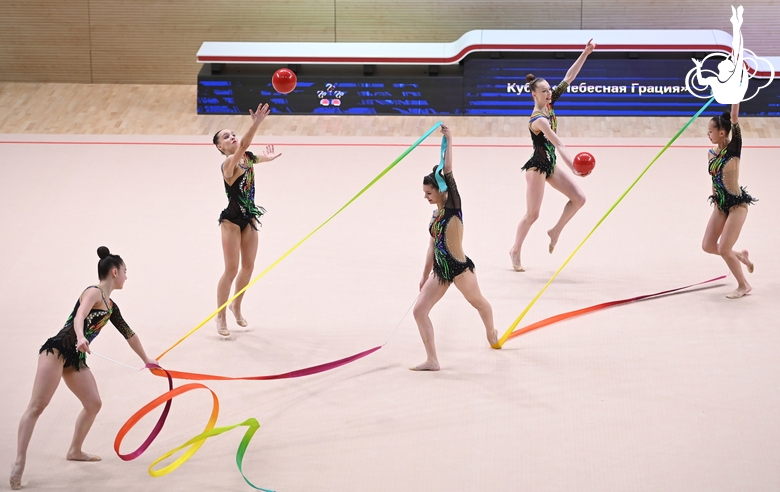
(553, 238)
(741, 291)
(222, 326)
(492, 337)
(744, 257)
(428, 365)
(516, 261)
(82, 457)
(240, 321)
(16, 476)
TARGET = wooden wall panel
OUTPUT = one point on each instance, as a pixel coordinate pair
(149, 41)
(760, 28)
(44, 41)
(446, 20)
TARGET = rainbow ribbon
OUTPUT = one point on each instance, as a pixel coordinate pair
(287, 253)
(440, 168)
(193, 444)
(210, 431)
(507, 334)
(603, 305)
(252, 425)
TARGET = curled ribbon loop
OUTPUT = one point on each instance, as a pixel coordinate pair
(193, 444)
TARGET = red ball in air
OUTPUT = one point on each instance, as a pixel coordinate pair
(584, 163)
(284, 80)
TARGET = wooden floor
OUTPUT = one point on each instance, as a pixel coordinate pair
(170, 110)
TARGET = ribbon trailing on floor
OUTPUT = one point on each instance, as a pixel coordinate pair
(506, 335)
(253, 425)
(603, 305)
(287, 253)
(193, 444)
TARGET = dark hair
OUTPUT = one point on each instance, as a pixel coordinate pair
(250, 155)
(532, 81)
(430, 179)
(107, 262)
(723, 122)
(216, 141)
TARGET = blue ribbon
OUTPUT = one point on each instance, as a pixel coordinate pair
(440, 170)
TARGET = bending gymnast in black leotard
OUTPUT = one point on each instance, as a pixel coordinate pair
(730, 199)
(540, 169)
(238, 221)
(63, 356)
(446, 259)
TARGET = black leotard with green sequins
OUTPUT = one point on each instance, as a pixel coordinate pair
(543, 158)
(65, 341)
(723, 198)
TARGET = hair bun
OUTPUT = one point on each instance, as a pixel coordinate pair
(530, 78)
(726, 116)
(103, 252)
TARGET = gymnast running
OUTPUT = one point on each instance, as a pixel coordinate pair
(541, 166)
(63, 356)
(729, 198)
(238, 221)
(446, 258)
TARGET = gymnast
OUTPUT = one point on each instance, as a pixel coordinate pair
(446, 258)
(540, 168)
(238, 220)
(729, 198)
(63, 356)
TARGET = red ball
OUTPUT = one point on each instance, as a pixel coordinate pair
(584, 163)
(284, 80)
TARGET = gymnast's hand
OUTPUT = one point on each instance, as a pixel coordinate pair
(445, 130)
(268, 154)
(259, 116)
(590, 47)
(82, 345)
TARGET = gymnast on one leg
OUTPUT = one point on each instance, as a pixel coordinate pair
(729, 198)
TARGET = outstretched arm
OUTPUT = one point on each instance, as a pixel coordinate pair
(735, 113)
(445, 130)
(231, 163)
(575, 69)
(135, 344)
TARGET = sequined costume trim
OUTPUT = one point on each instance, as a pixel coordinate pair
(241, 209)
(65, 341)
(445, 265)
(543, 159)
(723, 198)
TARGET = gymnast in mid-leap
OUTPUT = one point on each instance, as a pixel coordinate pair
(238, 221)
(446, 258)
(729, 198)
(63, 357)
(540, 168)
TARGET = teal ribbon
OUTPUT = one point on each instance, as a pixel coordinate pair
(440, 170)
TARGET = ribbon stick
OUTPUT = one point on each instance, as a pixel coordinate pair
(598, 307)
(506, 335)
(287, 253)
